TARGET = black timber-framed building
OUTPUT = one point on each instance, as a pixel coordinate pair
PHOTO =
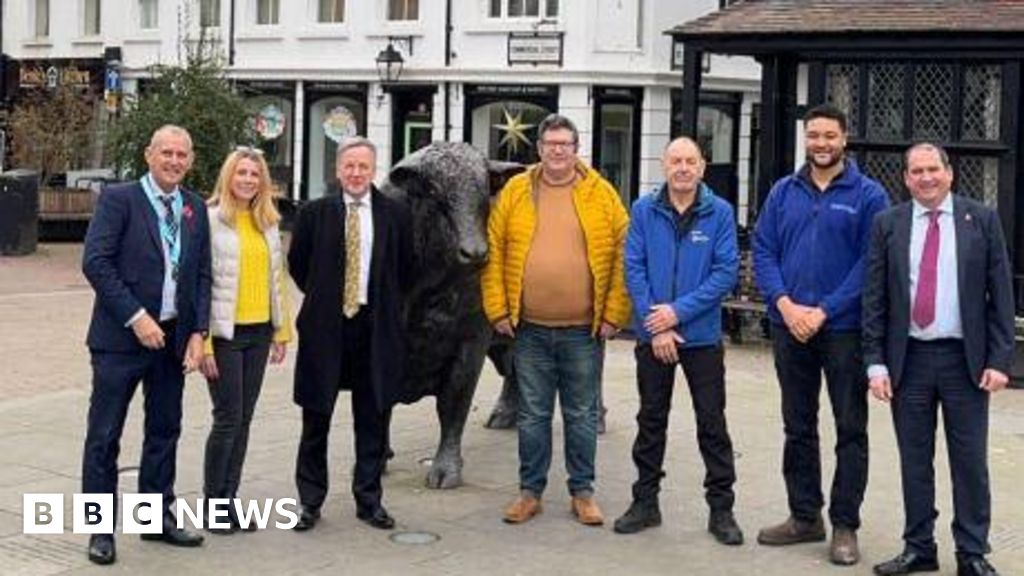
(903, 70)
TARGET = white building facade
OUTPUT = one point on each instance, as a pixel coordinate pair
(482, 71)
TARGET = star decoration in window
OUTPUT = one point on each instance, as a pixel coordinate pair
(514, 131)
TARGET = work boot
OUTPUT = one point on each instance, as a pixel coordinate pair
(792, 531)
(722, 525)
(642, 514)
(522, 509)
(587, 511)
(844, 550)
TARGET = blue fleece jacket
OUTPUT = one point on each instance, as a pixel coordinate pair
(810, 245)
(693, 270)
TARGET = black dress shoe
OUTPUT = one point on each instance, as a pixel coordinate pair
(974, 566)
(102, 549)
(377, 517)
(307, 518)
(175, 536)
(906, 563)
(722, 525)
(236, 524)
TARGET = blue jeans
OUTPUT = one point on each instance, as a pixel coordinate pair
(549, 361)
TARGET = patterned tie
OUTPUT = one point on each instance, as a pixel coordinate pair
(927, 275)
(350, 301)
(170, 232)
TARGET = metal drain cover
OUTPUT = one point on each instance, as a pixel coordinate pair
(414, 538)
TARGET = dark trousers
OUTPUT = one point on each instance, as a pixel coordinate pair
(799, 367)
(370, 423)
(241, 363)
(115, 377)
(936, 375)
(704, 368)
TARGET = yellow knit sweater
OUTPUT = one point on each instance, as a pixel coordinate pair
(253, 305)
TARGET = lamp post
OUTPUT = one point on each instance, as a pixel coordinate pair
(389, 68)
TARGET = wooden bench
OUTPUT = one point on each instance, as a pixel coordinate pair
(66, 204)
(745, 304)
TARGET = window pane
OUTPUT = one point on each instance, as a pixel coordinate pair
(515, 8)
(267, 11)
(403, 10)
(91, 24)
(552, 9)
(42, 18)
(209, 13)
(331, 11)
(148, 10)
(532, 7)
(495, 8)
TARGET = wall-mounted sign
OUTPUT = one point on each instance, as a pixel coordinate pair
(510, 90)
(50, 75)
(535, 48)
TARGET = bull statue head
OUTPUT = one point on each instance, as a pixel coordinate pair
(446, 186)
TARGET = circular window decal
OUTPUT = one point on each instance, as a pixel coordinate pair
(270, 122)
(339, 124)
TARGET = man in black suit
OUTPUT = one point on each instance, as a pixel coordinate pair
(147, 256)
(350, 327)
(938, 331)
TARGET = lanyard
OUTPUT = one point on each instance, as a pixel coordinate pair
(170, 220)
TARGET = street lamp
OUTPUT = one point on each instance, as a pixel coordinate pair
(389, 64)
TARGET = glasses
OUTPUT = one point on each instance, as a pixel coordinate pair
(249, 150)
(555, 145)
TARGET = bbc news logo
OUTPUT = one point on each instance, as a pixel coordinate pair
(143, 513)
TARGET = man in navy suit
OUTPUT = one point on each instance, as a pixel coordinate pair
(938, 331)
(147, 256)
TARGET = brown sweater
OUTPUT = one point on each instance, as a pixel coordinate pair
(558, 289)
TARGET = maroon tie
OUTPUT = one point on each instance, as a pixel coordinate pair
(927, 275)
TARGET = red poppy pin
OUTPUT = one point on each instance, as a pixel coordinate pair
(186, 211)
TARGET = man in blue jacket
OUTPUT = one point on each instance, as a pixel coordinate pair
(681, 261)
(809, 249)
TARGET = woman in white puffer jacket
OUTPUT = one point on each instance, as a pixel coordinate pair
(249, 319)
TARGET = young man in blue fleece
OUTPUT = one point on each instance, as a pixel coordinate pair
(681, 261)
(810, 245)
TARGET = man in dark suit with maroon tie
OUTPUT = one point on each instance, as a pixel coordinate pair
(938, 331)
(147, 256)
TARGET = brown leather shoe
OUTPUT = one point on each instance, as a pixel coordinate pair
(522, 509)
(587, 511)
(844, 551)
(792, 531)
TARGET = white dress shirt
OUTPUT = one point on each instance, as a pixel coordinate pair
(947, 292)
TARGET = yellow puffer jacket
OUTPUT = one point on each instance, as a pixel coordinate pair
(510, 231)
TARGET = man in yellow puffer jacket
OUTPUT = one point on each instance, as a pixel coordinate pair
(554, 282)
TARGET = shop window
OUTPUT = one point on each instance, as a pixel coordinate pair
(403, 10)
(508, 130)
(332, 120)
(330, 11)
(271, 117)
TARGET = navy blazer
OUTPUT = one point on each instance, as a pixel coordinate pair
(124, 263)
(983, 279)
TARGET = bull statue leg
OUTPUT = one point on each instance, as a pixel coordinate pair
(453, 404)
(503, 415)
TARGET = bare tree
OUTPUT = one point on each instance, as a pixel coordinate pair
(51, 131)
